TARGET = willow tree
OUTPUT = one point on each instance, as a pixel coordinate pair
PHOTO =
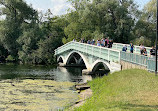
(14, 14)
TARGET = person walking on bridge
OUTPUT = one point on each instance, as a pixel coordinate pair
(141, 49)
(131, 48)
(93, 42)
(106, 42)
(152, 52)
(98, 42)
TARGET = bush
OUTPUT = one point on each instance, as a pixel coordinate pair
(10, 58)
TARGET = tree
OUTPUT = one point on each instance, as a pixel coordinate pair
(53, 32)
(16, 13)
(146, 25)
(112, 18)
(150, 11)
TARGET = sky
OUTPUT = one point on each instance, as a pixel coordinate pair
(59, 7)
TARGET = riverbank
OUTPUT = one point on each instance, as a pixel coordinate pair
(123, 91)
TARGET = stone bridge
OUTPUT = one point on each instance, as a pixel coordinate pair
(91, 57)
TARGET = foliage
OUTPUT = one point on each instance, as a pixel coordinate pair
(16, 12)
(142, 40)
(25, 37)
(128, 90)
(150, 11)
(146, 25)
(32, 37)
(10, 58)
(108, 17)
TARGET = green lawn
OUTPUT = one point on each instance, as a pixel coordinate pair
(129, 90)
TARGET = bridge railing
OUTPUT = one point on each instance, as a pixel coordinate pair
(63, 48)
(100, 52)
(135, 58)
(119, 46)
(151, 64)
(145, 61)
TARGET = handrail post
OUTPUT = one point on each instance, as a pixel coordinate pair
(116, 46)
(108, 55)
(100, 52)
(92, 51)
(119, 56)
(86, 48)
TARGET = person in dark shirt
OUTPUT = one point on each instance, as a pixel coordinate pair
(93, 42)
(152, 52)
(124, 48)
(145, 52)
(110, 44)
(131, 48)
(88, 42)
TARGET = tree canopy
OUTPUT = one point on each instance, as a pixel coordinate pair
(31, 37)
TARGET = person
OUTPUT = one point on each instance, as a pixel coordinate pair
(141, 49)
(131, 48)
(152, 52)
(88, 42)
(145, 52)
(74, 40)
(110, 44)
(93, 42)
(83, 40)
(98, 42)
(103, 42)
(124, 48)
(106, 42)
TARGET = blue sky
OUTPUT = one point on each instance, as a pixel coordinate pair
(59, 7)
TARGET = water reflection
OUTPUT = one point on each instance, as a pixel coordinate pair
(61, 74)
(14, 71)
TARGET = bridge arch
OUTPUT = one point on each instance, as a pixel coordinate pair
(101, 62)
(72, 55)
(60, 59)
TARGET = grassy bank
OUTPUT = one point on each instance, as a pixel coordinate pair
(129, 90)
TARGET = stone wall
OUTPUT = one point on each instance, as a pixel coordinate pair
(127, 65)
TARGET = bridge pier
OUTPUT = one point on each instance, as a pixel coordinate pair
(86, 71)
(61, 64)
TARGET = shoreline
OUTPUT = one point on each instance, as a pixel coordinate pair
(85, 93)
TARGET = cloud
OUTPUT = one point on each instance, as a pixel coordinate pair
(57, 7)
(60, 7)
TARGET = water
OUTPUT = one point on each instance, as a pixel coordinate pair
(38, 88)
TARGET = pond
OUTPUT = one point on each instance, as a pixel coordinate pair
(38, 88)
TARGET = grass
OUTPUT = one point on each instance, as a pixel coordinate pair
(129, 90)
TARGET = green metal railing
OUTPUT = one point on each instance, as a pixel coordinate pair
(151, 64)
(110, 54)
(135, 58)
(119, 46)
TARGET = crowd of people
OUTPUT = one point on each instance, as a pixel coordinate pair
(142, 48)
(103, 42)
(109, 42)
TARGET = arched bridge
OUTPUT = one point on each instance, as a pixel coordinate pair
(91, 56)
